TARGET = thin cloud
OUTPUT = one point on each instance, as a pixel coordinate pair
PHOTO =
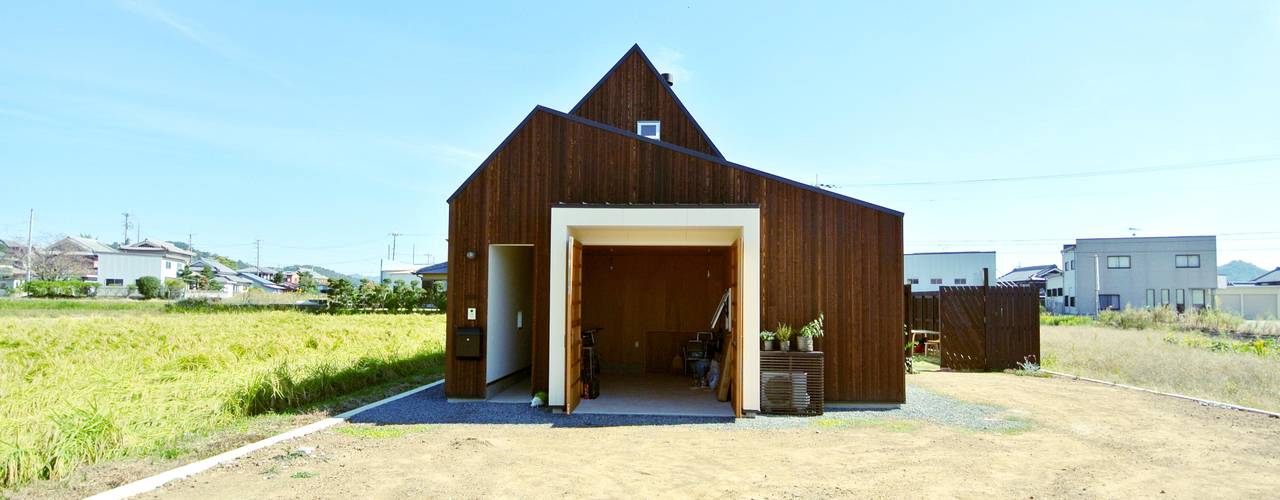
(667, 60)
(207, 40)
(436, 151)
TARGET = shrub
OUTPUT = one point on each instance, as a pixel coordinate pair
(174, 287)
(150, 287)
(59, 289)
(1057, 320)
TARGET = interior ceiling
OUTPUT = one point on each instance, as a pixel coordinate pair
(654, 250)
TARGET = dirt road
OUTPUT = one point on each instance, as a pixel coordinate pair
(1081, 440)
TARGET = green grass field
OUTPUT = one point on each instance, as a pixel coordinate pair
(87, 381)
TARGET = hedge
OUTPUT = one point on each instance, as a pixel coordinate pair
(59, 289)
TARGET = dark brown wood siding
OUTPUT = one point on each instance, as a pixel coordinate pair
(632, 92)
(819, 253)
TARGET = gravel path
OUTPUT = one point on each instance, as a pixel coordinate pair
(430, 407)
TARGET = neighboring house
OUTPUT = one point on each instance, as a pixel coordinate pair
(12, 255)
(265, 284)
(261, 272)
(88, 251)
(1110, 273)
(437, 274)
(1031, 276)
(1271, 278)
(1256, 299)
(925, 272)
(390, 270)
(1052, 296)
(232, 282)
(622, 214)
(123, 267)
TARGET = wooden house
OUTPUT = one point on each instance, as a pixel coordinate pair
(622, 214)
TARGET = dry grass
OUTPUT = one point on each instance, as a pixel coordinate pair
(82, 388)
(1164, 360)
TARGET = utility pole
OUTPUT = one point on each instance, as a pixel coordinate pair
(126, 228)
(258, 261)
(190, 246)
(393, 244)
(413, 254)
(26, 266)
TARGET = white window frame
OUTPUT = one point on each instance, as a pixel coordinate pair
(657, 136)
(1186, 261)
(1127, 260)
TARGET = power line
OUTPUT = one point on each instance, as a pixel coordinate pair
(1072, 175)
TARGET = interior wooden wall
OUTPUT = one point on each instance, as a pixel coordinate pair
(631, 291)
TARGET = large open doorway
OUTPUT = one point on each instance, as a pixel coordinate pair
(575, 228)
(509, 316)
(652, 309)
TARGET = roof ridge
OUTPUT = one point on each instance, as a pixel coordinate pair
(635, 48)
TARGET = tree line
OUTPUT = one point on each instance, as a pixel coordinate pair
(388, 296)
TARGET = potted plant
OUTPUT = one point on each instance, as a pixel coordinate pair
(804, 338)
(770, 340)
(783, 333)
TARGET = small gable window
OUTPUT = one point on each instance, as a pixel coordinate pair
(650, 129)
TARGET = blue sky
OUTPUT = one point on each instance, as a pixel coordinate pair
(319, 128)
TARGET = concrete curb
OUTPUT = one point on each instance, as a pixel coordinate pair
(150, 483)
(1208, 402)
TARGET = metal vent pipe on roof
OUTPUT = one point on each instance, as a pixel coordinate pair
(667, 78)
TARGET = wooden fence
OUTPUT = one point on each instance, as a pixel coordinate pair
(983, 327)
(921, 310)
(989, 327)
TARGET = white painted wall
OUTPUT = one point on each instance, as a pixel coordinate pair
(658, 226)
(508, 345)
(130, 267)
(1251, 302)
(948, 267)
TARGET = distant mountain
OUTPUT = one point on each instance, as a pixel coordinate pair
(1239, 270)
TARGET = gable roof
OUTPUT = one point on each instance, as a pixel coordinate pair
(152, 246)
(1028, 273)
(84, 245)
(668, 146)
(218, 267)
(665, 145)
(1268, 277)
(650, 97)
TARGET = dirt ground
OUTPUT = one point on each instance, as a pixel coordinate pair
(1084, 440)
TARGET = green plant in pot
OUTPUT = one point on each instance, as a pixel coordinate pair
(804, 338)
(770, 340)
(783, 333)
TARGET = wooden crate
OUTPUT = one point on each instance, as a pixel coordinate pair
(791, 383)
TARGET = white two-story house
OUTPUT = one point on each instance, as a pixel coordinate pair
(1113, 273)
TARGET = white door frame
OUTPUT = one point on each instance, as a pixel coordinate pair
(654, 226)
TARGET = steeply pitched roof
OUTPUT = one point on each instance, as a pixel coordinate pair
(633, 90)
(635, 137)
(663, 144)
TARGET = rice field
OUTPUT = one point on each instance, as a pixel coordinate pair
(86, 381)
(1242, 372)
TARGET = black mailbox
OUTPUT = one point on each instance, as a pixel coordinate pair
(467, 342)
